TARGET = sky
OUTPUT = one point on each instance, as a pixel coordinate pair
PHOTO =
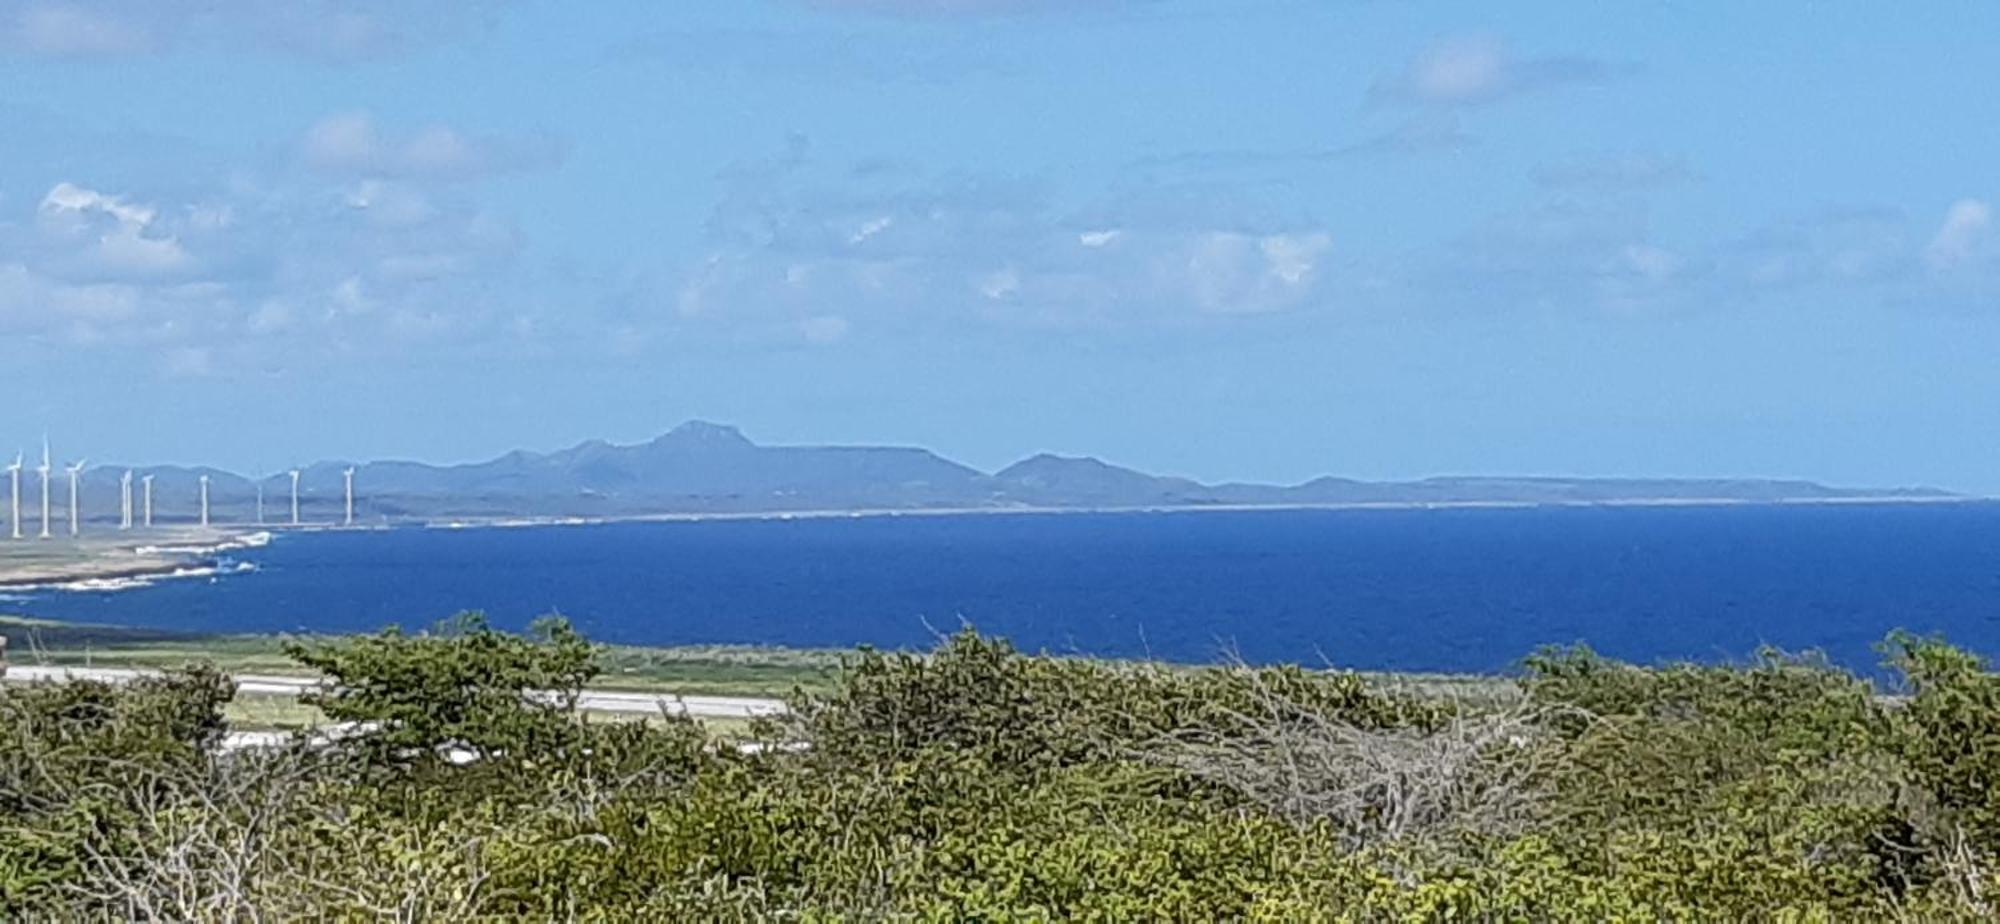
(1226, 239)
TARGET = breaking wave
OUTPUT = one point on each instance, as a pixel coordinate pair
(234, 543)
(137, 581)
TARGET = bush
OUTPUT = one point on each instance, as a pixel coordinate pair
(80, 761)
(978, 697)
(980, 783)
(463, 685)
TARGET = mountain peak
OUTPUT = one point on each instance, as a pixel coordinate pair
(1048, 461)
(704, 433)
(1087, 480)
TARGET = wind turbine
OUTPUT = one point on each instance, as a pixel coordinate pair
(204, 501)
(147, 480)
(14, 475)
(295, 497)
(260, 503)
(349, 476)
(125, 501)
(45, 470)
(75, 476)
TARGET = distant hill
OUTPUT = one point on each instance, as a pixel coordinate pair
(1058, 481)
(695, 463)
(702, 467)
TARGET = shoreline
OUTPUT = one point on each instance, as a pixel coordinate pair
(885, 512)
(127, 560)
(95, 569)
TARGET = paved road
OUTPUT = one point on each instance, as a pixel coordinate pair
(704, 707)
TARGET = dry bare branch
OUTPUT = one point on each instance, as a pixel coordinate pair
(1476, 772)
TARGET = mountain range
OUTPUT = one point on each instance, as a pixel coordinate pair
(702, 467)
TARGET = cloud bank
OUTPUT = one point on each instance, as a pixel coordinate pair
(905, 249)
(351, 143)
(1480, 70)
(322, 29)
(370, 244)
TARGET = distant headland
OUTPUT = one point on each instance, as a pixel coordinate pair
(702, 468)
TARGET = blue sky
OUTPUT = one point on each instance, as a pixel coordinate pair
(1232, 240)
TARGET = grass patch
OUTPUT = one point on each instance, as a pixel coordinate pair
(719, 670)
(25, 634)
(728, 670)
(270, 712)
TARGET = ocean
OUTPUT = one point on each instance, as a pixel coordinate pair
(1406, 589)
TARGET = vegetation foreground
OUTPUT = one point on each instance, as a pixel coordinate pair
(978, 783)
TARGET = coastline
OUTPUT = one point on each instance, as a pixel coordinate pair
(119, 562)
(882, 512)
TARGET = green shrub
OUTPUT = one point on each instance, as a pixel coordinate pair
(979, 783)
(75, 760)
(1950, 731)
(976, 695)
(464, 685)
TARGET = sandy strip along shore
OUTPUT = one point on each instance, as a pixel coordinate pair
(129, 556)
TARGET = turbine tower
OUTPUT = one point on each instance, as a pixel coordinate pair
(14, 475)
(125, 501)
(45, 470)
(147, 480)
(295, 497)
(204, 501)
(349, 476)
(75, 476)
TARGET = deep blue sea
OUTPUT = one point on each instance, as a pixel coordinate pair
(1449, 590)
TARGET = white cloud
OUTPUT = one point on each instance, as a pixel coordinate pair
(323, 29)
(86, 307)
(1655, 264)
(1563, 253)
(351, 143)
(61, 30)
(31, 303)
(1292, 259)
(1232, 273)
(343, 141)
(902, 250)
(1000, 286)
(109, 235)
(1423, 133)
(1477, 70)
(388, 204)
(139, 254)
(1967, 225)
(871, 228)
(825, 328)
(788, 246)
(1465, 70)
(1598, 253)
(260, 268)
(1218, 269)
(272, 317)
(189, 362)
(1642, 278)
(1619, 173)
(1848, 249)
(66, 198)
